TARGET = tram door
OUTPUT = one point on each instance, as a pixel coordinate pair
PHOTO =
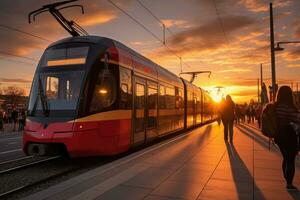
(151, 111)
(139, 118)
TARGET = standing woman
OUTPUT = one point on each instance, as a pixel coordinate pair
(228, 118)
(287, 113)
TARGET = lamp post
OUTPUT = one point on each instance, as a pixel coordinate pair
(278, 48)
(272, 53)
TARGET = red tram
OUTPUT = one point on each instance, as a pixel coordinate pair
(94, 96)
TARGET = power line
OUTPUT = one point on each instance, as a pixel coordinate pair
(18, 56)
(154, 16)
(164, 28)
(145, 28)
(220, 21)
(17, 61)
(151, 13)
(136, 21)
(24, 32)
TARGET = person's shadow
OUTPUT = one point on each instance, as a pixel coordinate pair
(264, 143)
(239, 169)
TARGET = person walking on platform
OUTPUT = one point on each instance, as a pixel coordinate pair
(258, 112)
(287, 113)
(228, 118)
(237, 114)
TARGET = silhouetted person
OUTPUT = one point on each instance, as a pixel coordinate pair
(22, 119)
(237, 114)
(258, 111)
(228, 118)
(1, 121)
(286, 139)
(14, 117)
(251, 112)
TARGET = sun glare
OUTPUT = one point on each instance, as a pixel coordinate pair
(216, 97)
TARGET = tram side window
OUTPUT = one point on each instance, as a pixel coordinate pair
(124, 96)
(152, 107)
(125, 88)
(181, 97)
(104, 92)
(140, 107)
(162, 97)
(176, 98)
(170, 98)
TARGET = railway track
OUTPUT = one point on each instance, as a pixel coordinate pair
(12, 166)
(28, 174)
(22, 166)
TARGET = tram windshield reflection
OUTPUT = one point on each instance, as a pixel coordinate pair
(61, 90)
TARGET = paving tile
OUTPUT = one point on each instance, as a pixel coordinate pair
(268, 174)
(268, 164)
(199, 166)
(242, 187)
(192, 176)
(276, 195)
(150, 178)
(233, 175)
(178, 189)
(124, 193)
(263, 155)
(156, 197)
(205, 159)
(237, 168)
(224, 195)
(273, 185)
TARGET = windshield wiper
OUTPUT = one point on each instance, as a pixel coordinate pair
(43, 99)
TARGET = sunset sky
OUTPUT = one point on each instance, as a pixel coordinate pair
(228, 37)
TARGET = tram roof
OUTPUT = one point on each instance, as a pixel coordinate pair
(111, 42)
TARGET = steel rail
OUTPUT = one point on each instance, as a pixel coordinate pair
(14, 160)
(27, 165)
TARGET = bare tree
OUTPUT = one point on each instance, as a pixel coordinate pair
(13, 94)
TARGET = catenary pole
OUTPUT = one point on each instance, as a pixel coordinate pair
(272, 53)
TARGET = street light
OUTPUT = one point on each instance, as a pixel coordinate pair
(278, 48)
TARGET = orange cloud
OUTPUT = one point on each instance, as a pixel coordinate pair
(98, 18)
(263, 5)
(177, 23)
(235, 70)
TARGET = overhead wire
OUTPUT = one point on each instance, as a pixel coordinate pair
(24, 32)
(136, 21)
(18, 56)
(220, 21)
(146, 29)
(166, 28)
(17, 61)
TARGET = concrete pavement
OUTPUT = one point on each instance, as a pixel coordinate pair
(198, 165)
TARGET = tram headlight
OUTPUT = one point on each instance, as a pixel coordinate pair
(103, 91)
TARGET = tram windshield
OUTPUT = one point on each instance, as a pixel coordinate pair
(55, 93)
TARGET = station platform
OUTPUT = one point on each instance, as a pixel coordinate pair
(195, 165)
